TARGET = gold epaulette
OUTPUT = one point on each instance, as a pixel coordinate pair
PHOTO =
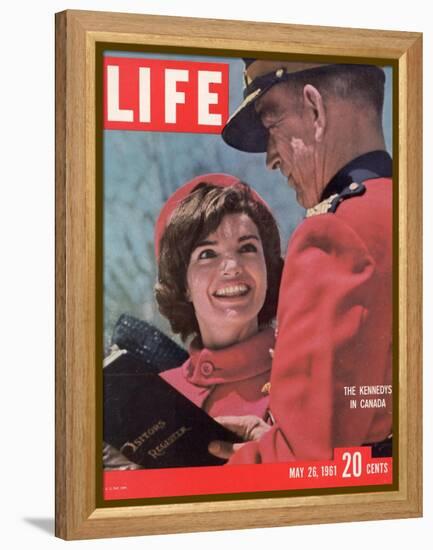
(331, 203)
(321, 208)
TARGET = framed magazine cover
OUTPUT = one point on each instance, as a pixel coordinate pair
(141, 102)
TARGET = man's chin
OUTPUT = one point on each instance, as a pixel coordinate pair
(305, 202)
(300, 199)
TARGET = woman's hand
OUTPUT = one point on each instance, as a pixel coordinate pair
(249, 428)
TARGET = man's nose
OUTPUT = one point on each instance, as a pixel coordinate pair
(272, 158)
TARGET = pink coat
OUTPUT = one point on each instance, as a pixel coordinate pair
(228, 381)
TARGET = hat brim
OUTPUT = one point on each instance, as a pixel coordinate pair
(244, 130)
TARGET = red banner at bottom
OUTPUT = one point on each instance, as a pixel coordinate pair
(351, 467)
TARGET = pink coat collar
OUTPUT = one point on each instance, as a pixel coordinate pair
(238, 362)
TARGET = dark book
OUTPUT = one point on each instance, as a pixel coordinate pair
(151, 423)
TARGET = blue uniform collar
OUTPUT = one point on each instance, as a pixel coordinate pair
(377, 164)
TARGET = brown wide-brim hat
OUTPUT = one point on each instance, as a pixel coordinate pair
(244, 129)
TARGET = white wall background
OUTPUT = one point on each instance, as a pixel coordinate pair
(27, 271)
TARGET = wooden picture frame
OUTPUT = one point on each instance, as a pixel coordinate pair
(79, 305)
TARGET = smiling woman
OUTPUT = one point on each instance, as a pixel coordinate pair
(226, 282)
(219, 260)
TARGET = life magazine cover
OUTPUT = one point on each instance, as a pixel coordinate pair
(247, 276)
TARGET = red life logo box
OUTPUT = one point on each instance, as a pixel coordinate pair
(165, 96)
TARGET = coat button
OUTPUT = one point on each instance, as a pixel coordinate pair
(207, 368)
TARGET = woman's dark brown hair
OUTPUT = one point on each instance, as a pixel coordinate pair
(198, 215)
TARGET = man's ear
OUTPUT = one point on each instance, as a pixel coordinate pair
(313, 101)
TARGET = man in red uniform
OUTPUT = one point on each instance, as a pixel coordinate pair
(331, 382)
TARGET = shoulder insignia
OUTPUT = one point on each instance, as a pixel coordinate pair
(321, 208)
(332, 203)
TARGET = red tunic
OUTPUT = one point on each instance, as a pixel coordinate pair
(334, 331)
(228, 381)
